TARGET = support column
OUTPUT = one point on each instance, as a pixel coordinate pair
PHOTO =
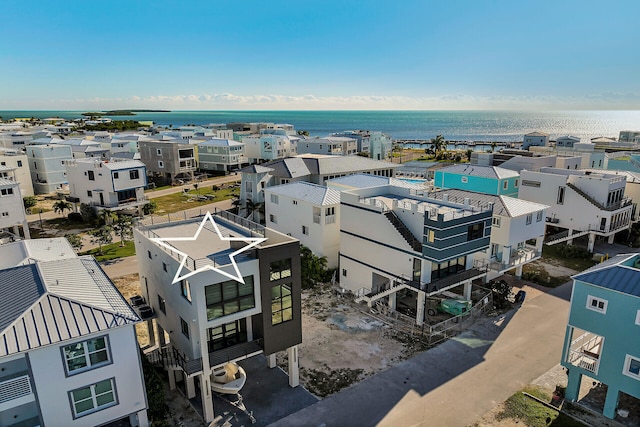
(139, 419)
(162, 341)
(151, 332)
(25, 229)
(570, 241)
(519, 272)
(172, 379)
(207, 399)
(271, 360)
(392, 301)
(420, 308)
(467, 291)
(610, 241)
(611, 402)
(190, 385)
(294, 368)
(573, 385)
(592, 242)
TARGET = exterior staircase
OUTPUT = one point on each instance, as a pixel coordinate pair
(415, 244)
(612, 207)
(563, 236)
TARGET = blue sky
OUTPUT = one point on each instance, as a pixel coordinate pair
(307, 54)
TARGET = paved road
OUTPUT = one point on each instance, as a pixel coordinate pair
(457, 382)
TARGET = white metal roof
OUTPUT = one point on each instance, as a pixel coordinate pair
(364, 180)
(494, 172)
(308, 192)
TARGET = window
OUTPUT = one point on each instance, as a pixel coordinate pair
(305, 230)
(229, 297)
(164, 267)
(93, 398)
(560, 195)
(295, 202)
(162, 305)
(464, 179)
(184, 327)
(505, 185)
(89, 193)
(431, 236)
(86, 355)
(539, 216)
(638, 318)
(281, 307)
(6, 191)
(632, 367)
(116, 175)
(528, 183)
(134, 174)
(330, 211)
(280, 269)
(35, 165)
(475, 231)
(149, 254)
(273, 218)
(19, 163)
(274, 198)
(91, 175)
(495, 221)
(185, 289)
(515, 183)
(159, 151)
(597, 304)
(529, 218)
(5, 213)
(344, 272)
(160, 164)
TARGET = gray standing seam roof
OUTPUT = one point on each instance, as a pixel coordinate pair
(20, 287)
(618, 278)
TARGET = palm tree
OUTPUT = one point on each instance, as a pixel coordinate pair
(123, 226)
(438, 144)
(101, 236)
(253, 207)
(61, 206)
(107, 216)
(313, 267)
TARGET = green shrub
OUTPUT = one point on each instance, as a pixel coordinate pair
(75, 217)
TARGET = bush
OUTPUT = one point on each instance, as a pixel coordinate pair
(75, 217)
(88, 213)
(158, 409)
(571, 251)
(501, 291)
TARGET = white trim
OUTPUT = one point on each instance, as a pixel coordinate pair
(627, 364)
(638, 318)
(599, 307)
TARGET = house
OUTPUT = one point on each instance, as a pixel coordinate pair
(46, 164)
(223, 289)
(377, 144)
(629, 136)
(15, 165)
(308, 212)
(315, 169)
(604, 323)
(580, 203)
(69, 355)
(85, 148)
(269, 146)
(517, 229)
(220, 155)
(567, 142)
(539, 139)
(168, 161)
(483, 179)
(12, 213)
(399, 245)
(332, 145)
(111, 185)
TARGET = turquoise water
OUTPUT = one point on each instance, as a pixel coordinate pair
(414, 181)
(500, 126)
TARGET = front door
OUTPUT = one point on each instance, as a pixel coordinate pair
(101, 199)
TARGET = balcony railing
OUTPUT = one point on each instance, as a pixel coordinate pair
(13, 389)
(517, 258)
(330, 219)
(587, 361)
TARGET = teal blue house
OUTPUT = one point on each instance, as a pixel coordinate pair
(481, 179)
(602, 340)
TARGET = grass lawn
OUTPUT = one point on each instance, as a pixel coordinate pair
(112, 251)
(532, 413)
(64, 224)
(181, 201)
(162, 187)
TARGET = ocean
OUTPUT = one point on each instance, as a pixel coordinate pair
(499, 126)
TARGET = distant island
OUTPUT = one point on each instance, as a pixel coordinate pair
(121, 112)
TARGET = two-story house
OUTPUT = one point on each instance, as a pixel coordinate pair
(332, 145)
(220, 155)
(277, 144)
(168, 161)
(69, 354)
(112, 185)
(12, 213)
(377, 144)
(223, 289)
(538, 139)
(601, 341)
(482, 179)
(46, 164)
(14, 165)
(580, 203)
(308, 212)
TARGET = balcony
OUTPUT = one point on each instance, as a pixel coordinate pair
(585, 351)
(518, 257)
(15, 392)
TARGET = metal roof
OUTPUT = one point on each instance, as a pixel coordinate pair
(518, 207)
(8, 183)
(536, 133)
(364, 180)
(221, 142)
(20, 287)
(308, 192)
(618, 274)
(294, 167)
(124, 164)
(502, 205)
(494, 172)
(30, 250)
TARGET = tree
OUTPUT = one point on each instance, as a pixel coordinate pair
(88, 213)
(255, 207)
(150, 207)
(501, 291)
(493, 146)
(123, 226)
(101, 236)
(29, 202)
(61, 206)
(313, 267)
(107, 216)
(468, 153)
(303, 132)
(438, 144)
(75, 241)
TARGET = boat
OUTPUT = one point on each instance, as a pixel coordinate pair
(228, 378)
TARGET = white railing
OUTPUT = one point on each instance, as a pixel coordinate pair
(15, 388)
(330, 219)
(585, 361)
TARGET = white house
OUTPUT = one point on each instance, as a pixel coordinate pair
(15, 165)
(332, 145)
(539, 139)
(566, 142)
(580, 202)
(308, 212)
(377, 144)
(220, 155)
(12, 214)
(270, 146)
(107, 185)
(69, 356)
(46, 163)
(236, 294)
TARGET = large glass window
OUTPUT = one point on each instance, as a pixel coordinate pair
(94, 397)
(227, 335)
(475, 231)
(281, 307)
(229, 297)
(280, 269)
(86, 355)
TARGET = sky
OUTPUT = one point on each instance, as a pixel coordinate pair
(318, 55)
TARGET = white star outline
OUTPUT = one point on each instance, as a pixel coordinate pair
(252, 241)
